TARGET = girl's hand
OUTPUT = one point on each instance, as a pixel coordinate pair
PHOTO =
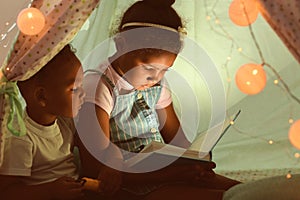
(191, 172)
(65, 188)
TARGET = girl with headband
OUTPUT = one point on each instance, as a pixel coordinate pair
(133, 105)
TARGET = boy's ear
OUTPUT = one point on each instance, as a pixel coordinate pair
(40, 96)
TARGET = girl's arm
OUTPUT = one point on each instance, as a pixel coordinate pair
(91, 167)
(170, 127)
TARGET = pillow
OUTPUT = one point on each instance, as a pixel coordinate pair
(275, 188)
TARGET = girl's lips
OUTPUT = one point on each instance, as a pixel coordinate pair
(142, 87)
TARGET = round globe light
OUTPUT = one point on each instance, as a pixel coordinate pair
(243, 12)
(31, 21)
(251, 78)
(294, 134)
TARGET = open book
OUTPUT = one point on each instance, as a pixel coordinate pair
(207, 140)
(157, 153)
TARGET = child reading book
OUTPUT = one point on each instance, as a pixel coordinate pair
(133, 105)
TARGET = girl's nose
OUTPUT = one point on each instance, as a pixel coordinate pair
(82, 93)
(155, 77)
(149, 78)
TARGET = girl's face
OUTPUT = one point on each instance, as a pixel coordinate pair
(143, 73)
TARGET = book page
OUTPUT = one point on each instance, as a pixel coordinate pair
(172, 150)
(206, 141)
(199, 150)
(157, 152)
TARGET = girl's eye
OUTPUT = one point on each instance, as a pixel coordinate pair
(148, 67)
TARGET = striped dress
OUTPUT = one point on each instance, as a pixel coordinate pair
(134, 123)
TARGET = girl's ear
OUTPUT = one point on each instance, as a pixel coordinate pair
(40, 96)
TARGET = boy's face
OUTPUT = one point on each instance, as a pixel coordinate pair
(144, 73)
(65, 93)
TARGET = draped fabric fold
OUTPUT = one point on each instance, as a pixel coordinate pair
(284, 18)
(9, 90)
(29, 54)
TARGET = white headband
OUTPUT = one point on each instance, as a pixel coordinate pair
(180, 29)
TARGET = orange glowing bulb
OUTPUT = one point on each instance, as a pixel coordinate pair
(31, 21)
(251, 78)
(294, 134)
(243, 12)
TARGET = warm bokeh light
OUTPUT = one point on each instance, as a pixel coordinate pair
(237, 12)
(31, 21)
(294, 134)
(289, 175)
(251, 78)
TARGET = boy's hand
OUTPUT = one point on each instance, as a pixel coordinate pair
(111, 180)
(66, 188)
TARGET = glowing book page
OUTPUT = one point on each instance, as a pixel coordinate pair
(207, 140)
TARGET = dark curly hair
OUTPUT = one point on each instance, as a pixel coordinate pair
(155, 40)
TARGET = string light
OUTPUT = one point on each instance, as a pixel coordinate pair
(31, 21)
(243, 12)
(271, 142)
(221, 31)
(289, 175)
(294, 134)
(251, 78)
(9, 26)
(297, 155)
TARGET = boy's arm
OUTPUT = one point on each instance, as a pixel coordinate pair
(12, 187)
(170, 127)
(92, 138)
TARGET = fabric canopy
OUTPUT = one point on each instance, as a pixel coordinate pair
(284, 17)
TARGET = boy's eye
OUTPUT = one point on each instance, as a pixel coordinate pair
(74, 89)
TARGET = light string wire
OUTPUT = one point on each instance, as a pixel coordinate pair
(263, 59)
(284, 88)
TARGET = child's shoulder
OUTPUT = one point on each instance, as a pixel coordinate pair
(66, 124)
